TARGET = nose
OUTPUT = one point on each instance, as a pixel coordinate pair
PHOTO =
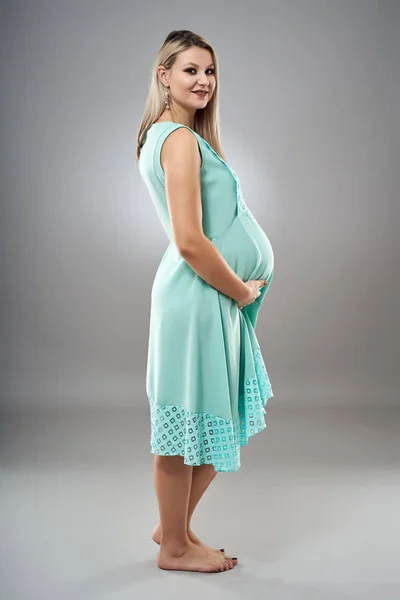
(203, 80)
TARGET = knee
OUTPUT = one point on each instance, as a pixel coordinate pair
(171, 464)
(212, 471)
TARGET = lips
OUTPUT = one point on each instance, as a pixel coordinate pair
(200, 93)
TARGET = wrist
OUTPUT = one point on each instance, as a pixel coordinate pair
(243, 294)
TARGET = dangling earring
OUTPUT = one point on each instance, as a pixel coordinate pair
(166, 100)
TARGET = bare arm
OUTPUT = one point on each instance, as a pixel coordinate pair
(181, 161)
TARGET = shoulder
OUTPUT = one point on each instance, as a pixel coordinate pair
(178, 134)
(176, 143)
(179, 142)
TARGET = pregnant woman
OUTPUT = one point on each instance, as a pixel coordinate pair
(206, 380)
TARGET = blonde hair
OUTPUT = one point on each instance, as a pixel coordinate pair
(206, 121)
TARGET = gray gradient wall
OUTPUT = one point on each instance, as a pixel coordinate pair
(309, 103)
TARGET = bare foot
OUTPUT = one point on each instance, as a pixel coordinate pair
(156, 537)
(192, 558)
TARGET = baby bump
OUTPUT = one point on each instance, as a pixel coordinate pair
(246, 248)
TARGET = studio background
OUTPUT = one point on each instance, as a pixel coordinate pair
(309, 122)
(309, 116)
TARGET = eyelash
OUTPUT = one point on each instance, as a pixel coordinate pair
(192, 69)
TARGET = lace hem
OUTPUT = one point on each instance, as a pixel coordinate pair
(203, 438)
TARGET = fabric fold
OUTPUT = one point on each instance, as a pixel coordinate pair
(203, 438)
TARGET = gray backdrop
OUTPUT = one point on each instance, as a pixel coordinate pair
(309, 96)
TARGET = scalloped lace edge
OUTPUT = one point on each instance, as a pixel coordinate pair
(204, 438)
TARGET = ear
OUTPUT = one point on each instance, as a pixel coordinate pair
(162, 76)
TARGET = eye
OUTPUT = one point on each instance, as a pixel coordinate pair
(212, 71)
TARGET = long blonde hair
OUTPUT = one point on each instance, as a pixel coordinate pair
(206, 121)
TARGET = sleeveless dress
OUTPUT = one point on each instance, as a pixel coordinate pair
(206, 380)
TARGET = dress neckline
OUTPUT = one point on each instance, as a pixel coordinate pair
(205, 141)
(161, 122)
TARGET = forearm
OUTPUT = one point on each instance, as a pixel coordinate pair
(206, 260)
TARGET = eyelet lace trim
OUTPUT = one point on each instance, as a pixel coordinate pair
(241, 205)
(203, 438)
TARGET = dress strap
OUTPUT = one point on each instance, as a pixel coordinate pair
(167, 130)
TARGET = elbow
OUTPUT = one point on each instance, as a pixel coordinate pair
(188, 246)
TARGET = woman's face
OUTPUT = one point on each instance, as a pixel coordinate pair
(192, 70)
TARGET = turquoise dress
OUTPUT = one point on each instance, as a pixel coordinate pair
(206, 380)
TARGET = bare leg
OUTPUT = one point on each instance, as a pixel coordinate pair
(172, 481)
(202, 476)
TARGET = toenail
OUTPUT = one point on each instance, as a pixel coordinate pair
(222, 549)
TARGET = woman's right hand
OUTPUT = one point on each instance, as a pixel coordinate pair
(253, 286)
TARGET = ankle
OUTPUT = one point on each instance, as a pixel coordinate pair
(175, 546)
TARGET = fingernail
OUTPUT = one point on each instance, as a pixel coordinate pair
(234, 557)
(222, 549)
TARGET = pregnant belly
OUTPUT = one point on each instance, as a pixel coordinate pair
(246, 248)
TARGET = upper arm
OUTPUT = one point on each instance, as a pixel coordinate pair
(181, 161)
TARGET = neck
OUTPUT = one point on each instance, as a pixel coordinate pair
(179, 117)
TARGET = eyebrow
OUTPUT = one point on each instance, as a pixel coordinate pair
(192, 63)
